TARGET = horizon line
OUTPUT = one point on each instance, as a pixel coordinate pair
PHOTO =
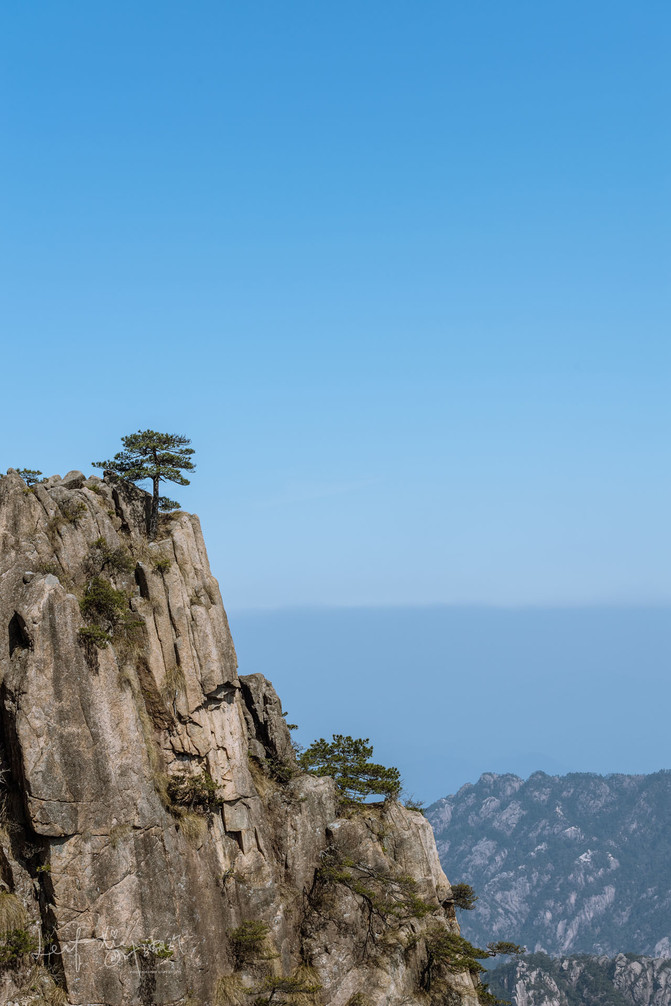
(453, 605)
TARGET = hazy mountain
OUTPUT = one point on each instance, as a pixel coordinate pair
(563, 864)
(626, 980)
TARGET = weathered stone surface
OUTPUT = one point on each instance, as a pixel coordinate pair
(73, 480)
(97, 744)
(266, 724)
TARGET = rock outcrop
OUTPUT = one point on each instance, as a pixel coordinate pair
(624, 980)
(563, 864)
(157, 842)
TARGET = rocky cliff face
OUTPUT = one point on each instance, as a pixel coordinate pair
(625, 980)
(564, 864)
(156, 839)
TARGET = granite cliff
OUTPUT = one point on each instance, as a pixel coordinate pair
(157, 842)
(563, 864)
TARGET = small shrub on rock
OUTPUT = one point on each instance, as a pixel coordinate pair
(104, 556)
(94, 636)
(107, 612)
(248, 943)
(197, 792)
(410, 803)
(102, 602)
(281, 769)
(15, 945)
(69, 512)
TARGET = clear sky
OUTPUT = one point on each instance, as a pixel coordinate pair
(448, 692)
(399, 270)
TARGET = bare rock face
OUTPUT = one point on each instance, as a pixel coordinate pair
(157, 843)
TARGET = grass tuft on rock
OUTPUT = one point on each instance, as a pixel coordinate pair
(12, 912)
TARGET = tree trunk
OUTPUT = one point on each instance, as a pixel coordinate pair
(153, 518)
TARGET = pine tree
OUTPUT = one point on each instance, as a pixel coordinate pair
(29, 475)
(347, 760)
(160, 457)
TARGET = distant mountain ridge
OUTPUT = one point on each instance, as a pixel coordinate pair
(569, 864)
(625, 980)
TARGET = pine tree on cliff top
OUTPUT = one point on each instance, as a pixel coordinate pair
(160, 457)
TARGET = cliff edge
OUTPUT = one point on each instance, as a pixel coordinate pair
(157, 842)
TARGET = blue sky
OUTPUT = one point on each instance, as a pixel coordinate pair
(401, 272)
(449, 692)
